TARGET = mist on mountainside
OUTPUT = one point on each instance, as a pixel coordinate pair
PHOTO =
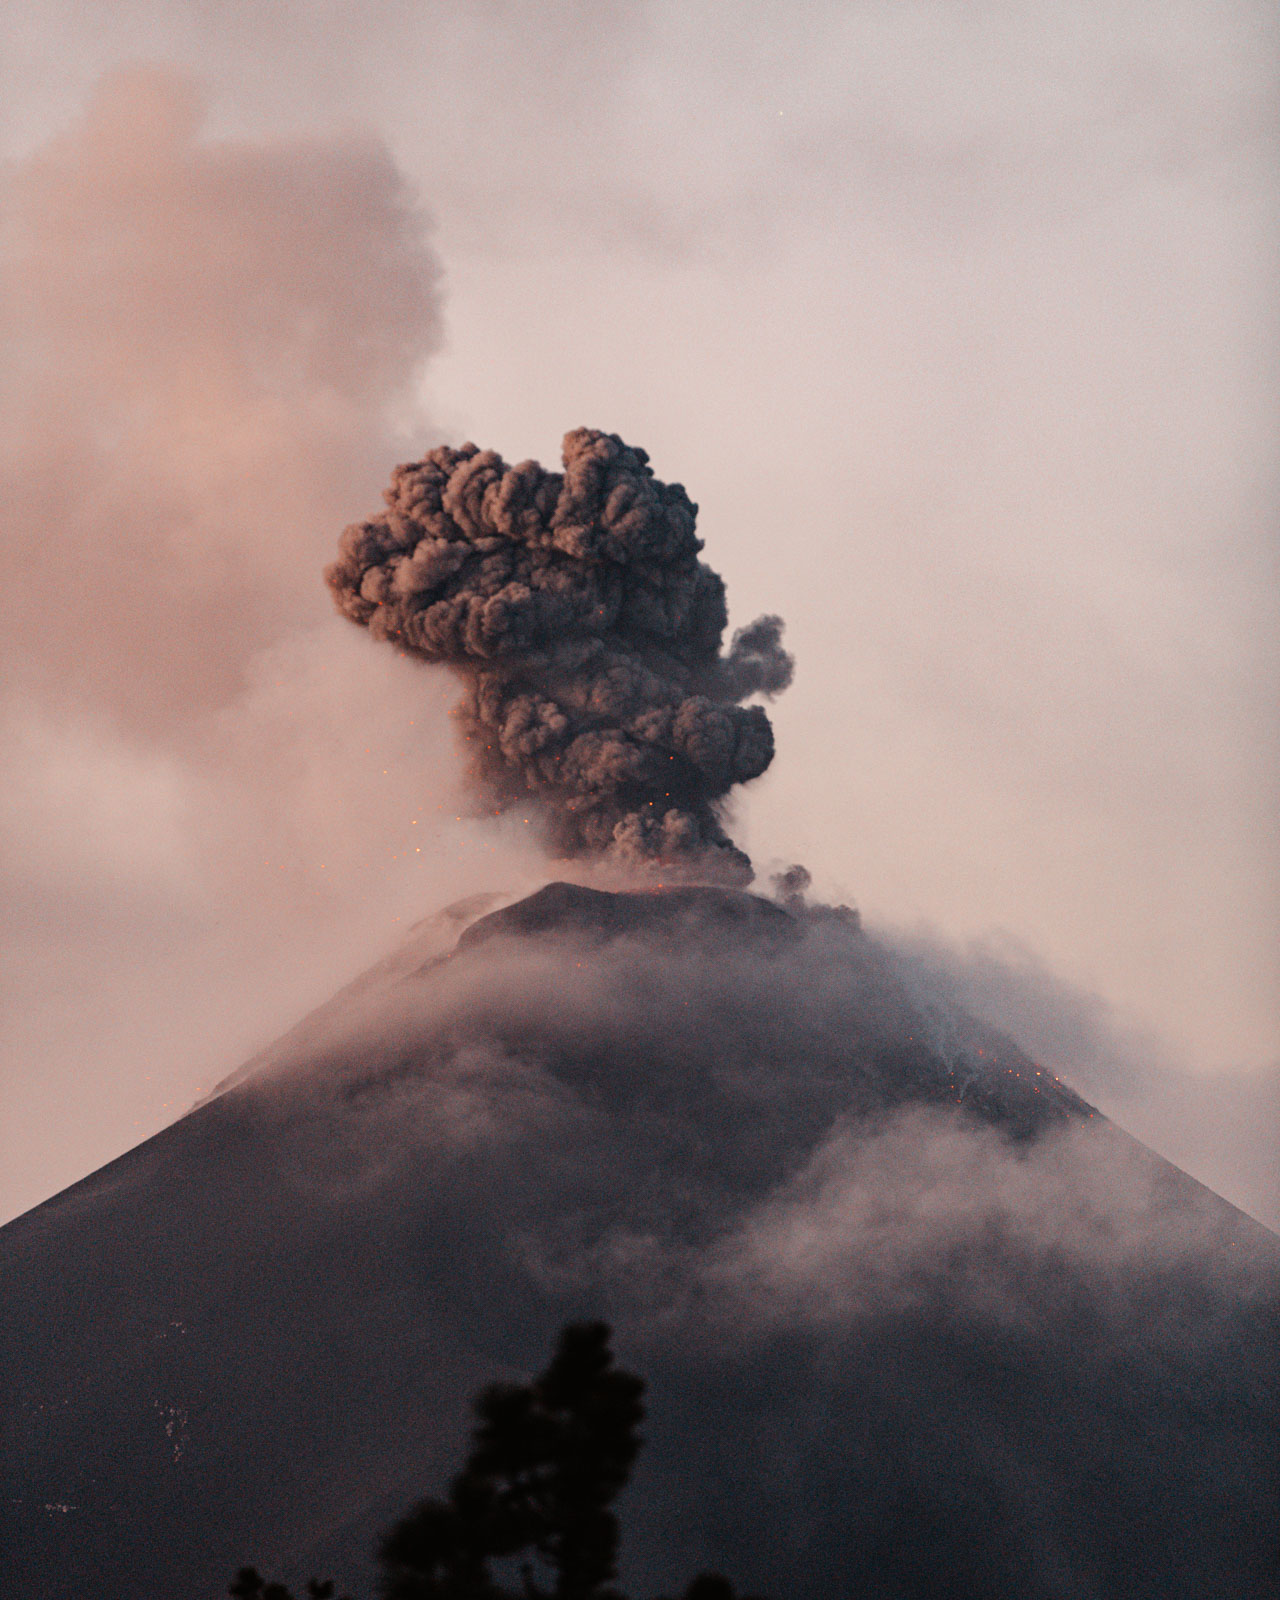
(909, 1307)
(1224, 1126)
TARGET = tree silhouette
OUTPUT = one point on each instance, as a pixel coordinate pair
(548, 1459)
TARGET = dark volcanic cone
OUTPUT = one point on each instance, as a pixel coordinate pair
(917, 1321)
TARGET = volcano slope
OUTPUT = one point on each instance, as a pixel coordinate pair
(916, 1320)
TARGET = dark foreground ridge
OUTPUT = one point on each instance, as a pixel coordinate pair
(916, 1320)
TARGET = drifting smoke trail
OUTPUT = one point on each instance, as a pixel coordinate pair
(588, 636)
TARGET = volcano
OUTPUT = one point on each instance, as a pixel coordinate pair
(916, 1319)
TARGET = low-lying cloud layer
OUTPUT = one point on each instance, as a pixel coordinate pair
(758, 1148)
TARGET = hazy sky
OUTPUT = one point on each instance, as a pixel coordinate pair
(956, 320)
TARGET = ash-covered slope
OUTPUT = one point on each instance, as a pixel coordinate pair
(916, 1320)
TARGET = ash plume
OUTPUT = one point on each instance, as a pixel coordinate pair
(588, 636)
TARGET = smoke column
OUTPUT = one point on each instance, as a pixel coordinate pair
(588, 636)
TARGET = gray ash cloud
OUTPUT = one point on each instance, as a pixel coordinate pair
(588, 636)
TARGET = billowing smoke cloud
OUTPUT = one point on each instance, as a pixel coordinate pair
(588, 636)
(209, 347)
